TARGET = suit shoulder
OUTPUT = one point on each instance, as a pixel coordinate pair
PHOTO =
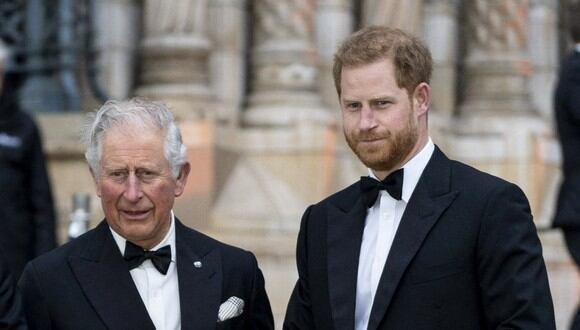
(57, 257)
(230, 253)
(477, 179)
(342, 198)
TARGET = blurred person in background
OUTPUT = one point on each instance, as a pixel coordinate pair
(27, 216)
(567, 112)
(11, 316)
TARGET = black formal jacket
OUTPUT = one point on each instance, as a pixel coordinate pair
(86, 284)
(466, 255)
(567, 107)
(27, 215)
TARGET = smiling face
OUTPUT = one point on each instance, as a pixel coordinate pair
(135, 184)
(383, 125)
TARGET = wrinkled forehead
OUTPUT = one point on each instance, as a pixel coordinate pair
(132, 130)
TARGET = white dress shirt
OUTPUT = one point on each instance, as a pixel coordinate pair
(381, 224)
(160, 293)
(577, 48)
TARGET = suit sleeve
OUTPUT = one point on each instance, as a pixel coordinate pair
(299, 310)
(35, 308)
(260, 311)
(513, 279)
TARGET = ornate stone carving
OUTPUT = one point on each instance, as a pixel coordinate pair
(284, 71)
(405, 15)
(175, 56)
(496, 62)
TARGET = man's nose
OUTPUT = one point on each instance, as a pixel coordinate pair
(133, 191)
(367, 118)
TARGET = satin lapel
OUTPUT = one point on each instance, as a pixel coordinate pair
(199, 287)
(345, 231)
(430, 199)
(106, 282)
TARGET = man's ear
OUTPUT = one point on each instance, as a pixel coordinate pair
(182, 179)
(422, 98)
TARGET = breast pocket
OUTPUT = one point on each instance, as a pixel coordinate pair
(438, 271)
(234, 323)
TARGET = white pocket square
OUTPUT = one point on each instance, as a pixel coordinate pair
(231, 308)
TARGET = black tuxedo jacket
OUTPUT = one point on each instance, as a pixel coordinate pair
(466, 255)
(86, 284)
(567, 107)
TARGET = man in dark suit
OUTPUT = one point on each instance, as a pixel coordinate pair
(435, 244)
(567, 108)
(141, 268)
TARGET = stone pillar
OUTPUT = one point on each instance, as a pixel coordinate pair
(284, 65)
(441, 35)
(405, 15)
(175, 55)
(334, 22)
(228, 34)
(496, 65)
(543, 50)
(118, 22)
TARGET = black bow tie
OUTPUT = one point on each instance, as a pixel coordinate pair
(393, 184)
(135, 255)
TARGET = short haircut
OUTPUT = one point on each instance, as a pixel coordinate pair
(574, 21)
(411, 58)
(133, 113)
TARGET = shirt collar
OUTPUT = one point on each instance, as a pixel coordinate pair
(169, 239)
(577, 47)
(413, 170)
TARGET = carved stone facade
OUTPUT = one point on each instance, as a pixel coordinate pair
(251, 83)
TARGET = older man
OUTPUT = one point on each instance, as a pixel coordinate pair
(141, 268)
(422, 242)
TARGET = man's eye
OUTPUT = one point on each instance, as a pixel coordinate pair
(352, 106)
(146, 174)
(382, 103)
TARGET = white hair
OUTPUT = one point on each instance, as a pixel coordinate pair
(133, 113)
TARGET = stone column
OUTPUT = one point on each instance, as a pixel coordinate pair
(543, 50)
(441, 35)
(334, 22)
(405, 15)
(284, 65)
(496, 65)
(175, 55)
(118, 22)
(228, 34)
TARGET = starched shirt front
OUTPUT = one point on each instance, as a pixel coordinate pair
(381, 224)
(160, 293)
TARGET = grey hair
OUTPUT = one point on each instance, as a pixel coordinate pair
(133, 113)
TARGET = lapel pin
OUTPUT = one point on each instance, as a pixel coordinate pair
(197, 264)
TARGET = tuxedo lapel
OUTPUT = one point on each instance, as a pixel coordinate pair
(430, 199)
(200, 278)
(106, 282)
(345, 230)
